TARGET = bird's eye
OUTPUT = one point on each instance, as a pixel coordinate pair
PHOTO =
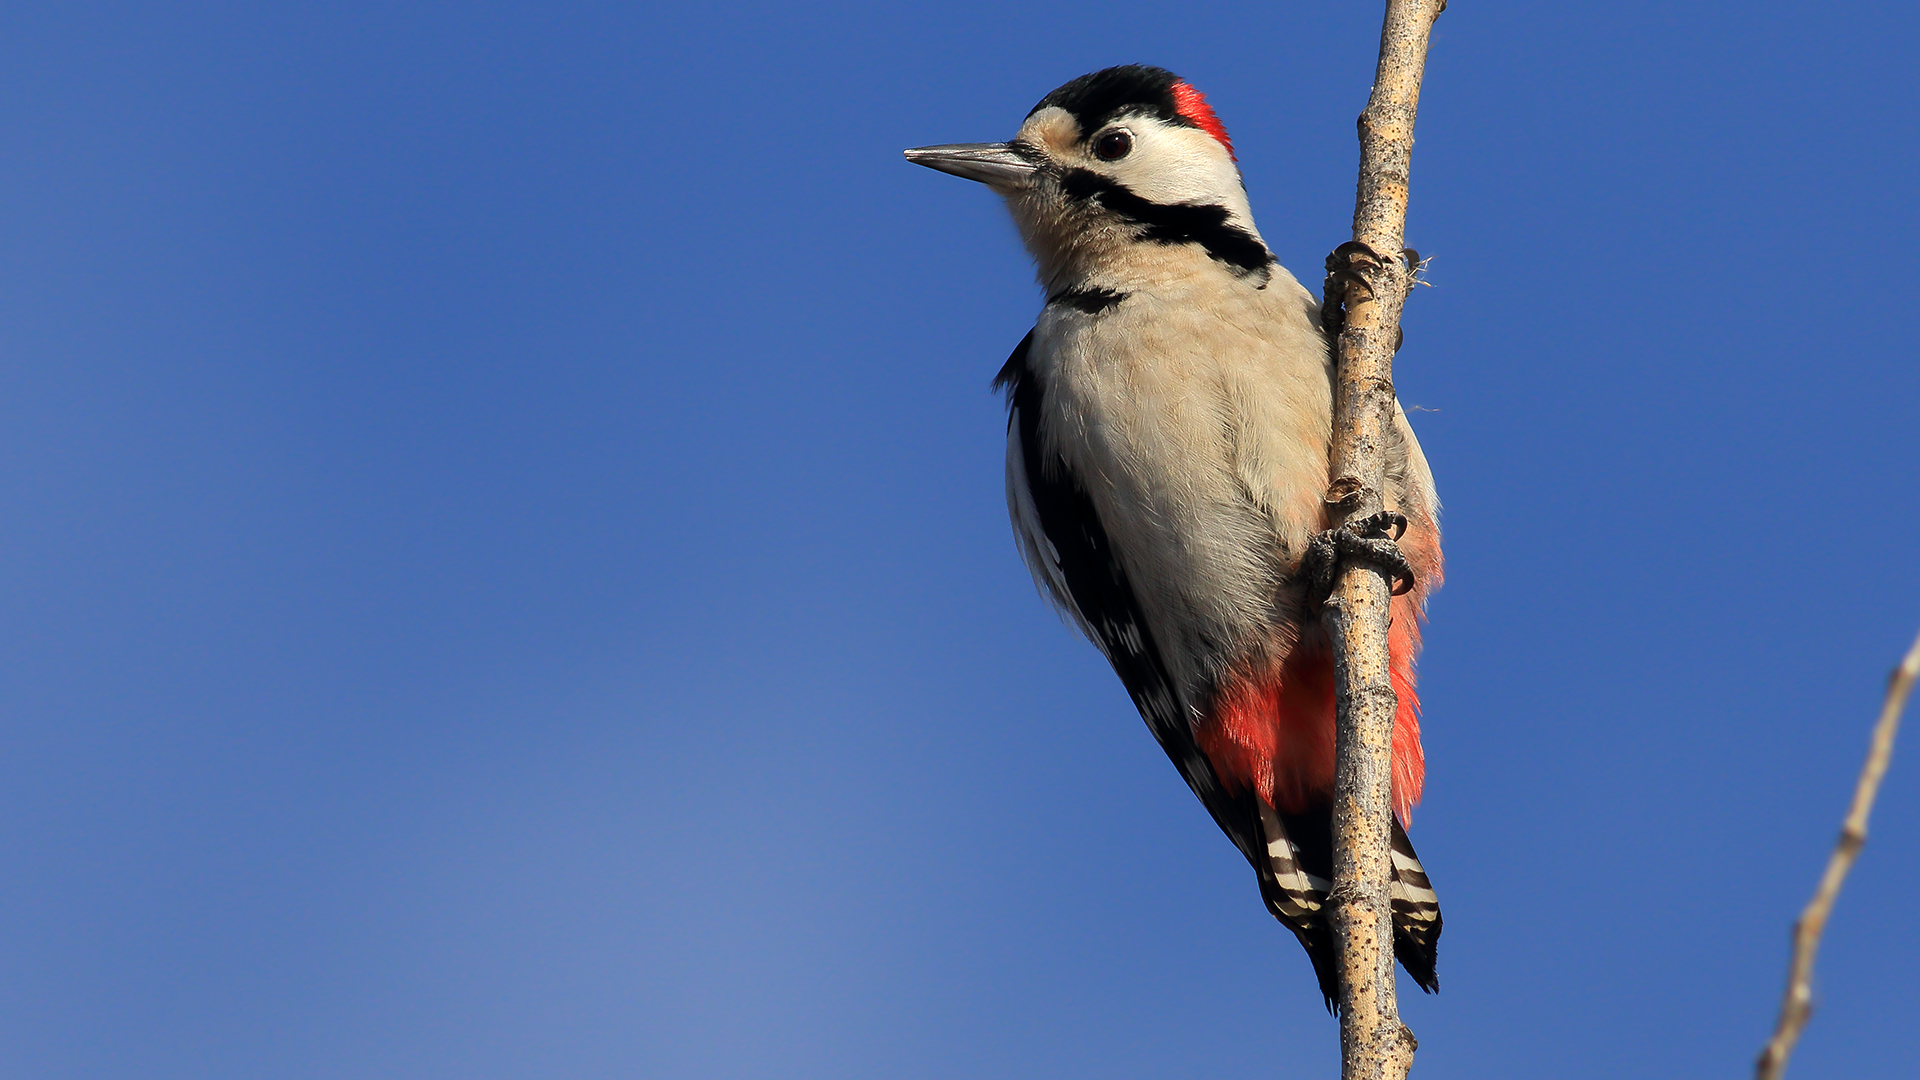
(1113, 146)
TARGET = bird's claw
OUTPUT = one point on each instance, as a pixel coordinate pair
(1370, 539)
(1344, 267)
(1375, 527)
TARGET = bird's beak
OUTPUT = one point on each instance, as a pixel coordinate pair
(1001, 166)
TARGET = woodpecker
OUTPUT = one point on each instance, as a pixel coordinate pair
(1169, 425)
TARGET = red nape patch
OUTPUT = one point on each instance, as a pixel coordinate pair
(1192, 104)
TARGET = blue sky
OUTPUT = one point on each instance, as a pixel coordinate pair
(506, 573)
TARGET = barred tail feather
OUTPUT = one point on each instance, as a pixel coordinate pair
(1294, 882)
(1416, 914)
(1298, 898)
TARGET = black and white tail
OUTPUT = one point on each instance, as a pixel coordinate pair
(1297, 876)
(1416, 914)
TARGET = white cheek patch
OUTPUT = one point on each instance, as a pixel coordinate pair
(1179, 165)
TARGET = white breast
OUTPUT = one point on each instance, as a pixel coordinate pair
(1198, 418)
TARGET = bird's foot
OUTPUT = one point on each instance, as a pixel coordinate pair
(1354, 263)
(1344, 267)
(1369, 539)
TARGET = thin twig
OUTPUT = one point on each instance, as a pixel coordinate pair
(1798, 1003)
(1368, 280)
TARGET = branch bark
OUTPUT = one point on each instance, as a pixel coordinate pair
(1797, 1005)
(1367, 283)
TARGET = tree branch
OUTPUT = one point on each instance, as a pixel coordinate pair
(1367, 282)
(1797, 1006)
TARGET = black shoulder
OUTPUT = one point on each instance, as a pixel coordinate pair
(1015, 369)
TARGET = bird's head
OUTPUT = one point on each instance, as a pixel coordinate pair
(1120, 173)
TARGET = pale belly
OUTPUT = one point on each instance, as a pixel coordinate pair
(1202, 442)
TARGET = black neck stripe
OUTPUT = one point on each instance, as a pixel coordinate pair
(1176, 223)
(1092, 301)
